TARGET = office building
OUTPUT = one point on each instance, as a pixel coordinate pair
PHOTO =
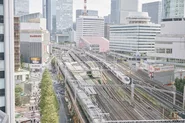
(64, 14)
(135, 38)
(106, 30)
(68, 35)
(173, 9)
(53, 24)
(107, 18)
(91, 26)
(47, 13)
(121, 8)
(154, 10)
(115, 10)
(21, 7)
(7, 95)
(80, 12)
(26, 18)
(17, 43)
(170, 44)
(95, 44)
(34, 43)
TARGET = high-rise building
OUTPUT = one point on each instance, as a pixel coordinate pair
(170, 44)
(80, 12)
(53, 24)
(64, 14)
(47, 13)
(135, 38)
(173, 9)
(34, 43)
(21, 7)
(154, 10)
(106, 30)
(7, 96)
(17, 43)
(89, 26)
(121, 8)
(107, 18)
(115, 10)
(27, 17)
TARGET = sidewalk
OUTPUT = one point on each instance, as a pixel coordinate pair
(30, 112)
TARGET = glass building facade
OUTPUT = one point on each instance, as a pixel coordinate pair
(21, 7)
(64, 14)
(2, 55)
(154, 10)
(173, 8)
(80, 12)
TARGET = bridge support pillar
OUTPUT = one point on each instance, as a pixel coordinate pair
(183, 98)
(174, 98)
(132, 92)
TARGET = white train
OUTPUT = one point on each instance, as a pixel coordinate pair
(123, 78)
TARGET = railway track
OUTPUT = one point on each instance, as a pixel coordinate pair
(147, 81)
(140, 111)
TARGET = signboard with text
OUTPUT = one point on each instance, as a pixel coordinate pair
(35, 60)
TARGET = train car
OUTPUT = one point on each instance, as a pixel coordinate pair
(124, 79)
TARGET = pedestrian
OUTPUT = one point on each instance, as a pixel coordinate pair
(32, 108)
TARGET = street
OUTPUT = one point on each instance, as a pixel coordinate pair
(60, 94)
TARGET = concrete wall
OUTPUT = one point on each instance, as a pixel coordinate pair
(29, 50)
(173, 27)
(164, 77)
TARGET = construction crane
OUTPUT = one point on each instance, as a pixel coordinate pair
(85, 8)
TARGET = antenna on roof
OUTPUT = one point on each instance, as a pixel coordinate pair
(85, 8)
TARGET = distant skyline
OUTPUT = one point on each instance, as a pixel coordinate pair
(103, 9)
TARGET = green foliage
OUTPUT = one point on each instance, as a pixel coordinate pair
(48, 101)
(18, 91)
(53, 62)
(22, 63)
(179, 84)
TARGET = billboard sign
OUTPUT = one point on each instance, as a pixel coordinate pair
(161, 68)
(35, 60)
(35, 37)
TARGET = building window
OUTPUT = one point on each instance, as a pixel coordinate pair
(160, 50)
(1, 38)
(1, 19)
(1, 47)
(2, 102)
(2, 74)
(169, 51)
(1, 28)
(2, 108)
(2, 92)
(1, 9)
(2, 84)
(1, 56)
(1, 1)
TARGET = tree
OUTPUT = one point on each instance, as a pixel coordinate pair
(22, 63)
(48, 102)
(18, 91)
(179, 84)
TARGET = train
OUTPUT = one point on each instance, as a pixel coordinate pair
(123, 78)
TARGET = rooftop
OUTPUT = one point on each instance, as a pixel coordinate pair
(95, 40)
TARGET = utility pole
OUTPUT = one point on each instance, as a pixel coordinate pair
(132, 90)
(183, 98)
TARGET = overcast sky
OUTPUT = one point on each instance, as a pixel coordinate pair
(103, 7)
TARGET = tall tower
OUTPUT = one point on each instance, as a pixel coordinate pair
(121, 8)
(64, 14)
(7, 96)
(173, 9)
(85, 8)
(47, 13)
(21, 7)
